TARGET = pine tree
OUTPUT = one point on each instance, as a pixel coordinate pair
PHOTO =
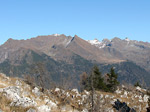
(137, 84)
(112, 80)
(98, 81)
(84, 83)
(93, 81)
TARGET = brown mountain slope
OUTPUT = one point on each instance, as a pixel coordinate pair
(59, 47)
(19, 55)
(135, 51)
(82, 48)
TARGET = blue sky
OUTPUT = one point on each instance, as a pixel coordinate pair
(89, 19)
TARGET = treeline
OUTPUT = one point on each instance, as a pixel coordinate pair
(96, 81)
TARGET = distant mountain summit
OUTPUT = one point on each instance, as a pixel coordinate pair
(62, 47)
(136, 51)
(99, 44)
(59, 47)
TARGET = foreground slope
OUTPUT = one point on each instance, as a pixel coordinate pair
(20, 96)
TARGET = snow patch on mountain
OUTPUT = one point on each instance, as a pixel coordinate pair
(99, 44)
(94, 42)
(127, 39)
(56, 34)
(69, 41)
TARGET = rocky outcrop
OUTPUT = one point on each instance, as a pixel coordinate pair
(21, 95)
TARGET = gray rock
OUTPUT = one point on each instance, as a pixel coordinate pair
(36, 91)
(24, 102)
(31, 110)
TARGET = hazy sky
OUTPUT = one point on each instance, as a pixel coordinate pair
(89, 19)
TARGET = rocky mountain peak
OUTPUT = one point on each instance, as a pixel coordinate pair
(106, 40)
(56, 34)
(127, 39)
(116, 39)
(76, 36)
(10, 40)
(94, 42)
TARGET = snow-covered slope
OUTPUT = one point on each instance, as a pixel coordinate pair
(99, 44)
(94, 42)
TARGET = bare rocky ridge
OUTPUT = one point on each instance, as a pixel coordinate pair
(59, 47)
(138, 52)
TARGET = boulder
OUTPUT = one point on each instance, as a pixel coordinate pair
(122, 107)
(31, 110)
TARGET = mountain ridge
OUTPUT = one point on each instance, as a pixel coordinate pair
(70, 56)
(48, 45)
(136, 51)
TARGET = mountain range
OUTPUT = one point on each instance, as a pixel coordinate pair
(64, 56)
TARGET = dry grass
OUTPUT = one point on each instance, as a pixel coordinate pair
(63, 100)
(5, 105)
(19, 109)
(132, 103)
(2, 86)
